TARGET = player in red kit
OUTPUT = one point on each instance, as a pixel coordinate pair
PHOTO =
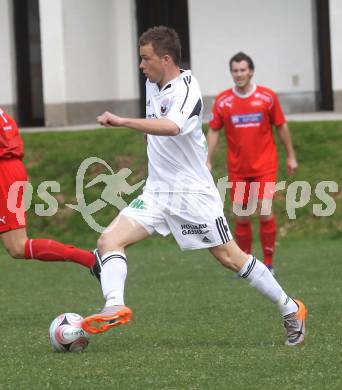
(248, 112)
(13, 224)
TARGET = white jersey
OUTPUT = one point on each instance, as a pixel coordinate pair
(178, 163)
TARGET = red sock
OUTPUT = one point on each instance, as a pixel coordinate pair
(50, 250)
(268, 231)
(243, 235)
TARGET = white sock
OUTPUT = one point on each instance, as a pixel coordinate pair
(287, 305)
(113, 276)
(261, 279)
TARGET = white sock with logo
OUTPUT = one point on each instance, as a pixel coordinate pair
(113, 276)
(261, 279)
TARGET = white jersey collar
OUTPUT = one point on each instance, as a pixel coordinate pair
(173, 81)
(244, 96)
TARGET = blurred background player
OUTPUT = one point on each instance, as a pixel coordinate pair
(13, 225)
(248, 113)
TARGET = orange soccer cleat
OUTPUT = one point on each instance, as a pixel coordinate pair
(109, 317)
(295, 325)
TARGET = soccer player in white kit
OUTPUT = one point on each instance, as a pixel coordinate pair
(180, 195)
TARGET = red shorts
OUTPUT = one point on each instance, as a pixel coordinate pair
(258, 187)
(12, 209)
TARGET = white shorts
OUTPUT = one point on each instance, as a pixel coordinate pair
(195, 220)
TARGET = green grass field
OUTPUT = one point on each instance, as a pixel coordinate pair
(195, 325)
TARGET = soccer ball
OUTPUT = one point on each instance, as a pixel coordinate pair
(66, 333)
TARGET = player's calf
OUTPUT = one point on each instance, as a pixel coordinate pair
(230, 255)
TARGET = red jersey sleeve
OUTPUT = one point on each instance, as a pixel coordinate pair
(11, 143)
(276, 113)
(216, 121)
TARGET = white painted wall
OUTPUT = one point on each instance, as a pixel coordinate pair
(52, 48)
(88, 50)
(8, 95)
(126, 43)
(336, 43)
(277, 34)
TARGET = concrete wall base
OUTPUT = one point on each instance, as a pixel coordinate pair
(68, 114)
(291, 103)
(338, 101)
(11, 109)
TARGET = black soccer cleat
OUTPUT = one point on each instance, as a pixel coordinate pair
(95, 270)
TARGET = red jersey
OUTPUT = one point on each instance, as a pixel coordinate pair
(248, 120)
(11, 143)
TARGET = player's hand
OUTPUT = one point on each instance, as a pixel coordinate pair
(108, 119)
(291, 165)
(209, 165)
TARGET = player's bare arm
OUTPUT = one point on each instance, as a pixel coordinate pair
(212, 139)
(286, 140)
(161, 126)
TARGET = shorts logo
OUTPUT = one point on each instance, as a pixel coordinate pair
(137, 204)
(3, 219)
(194, 229)
(206, 239)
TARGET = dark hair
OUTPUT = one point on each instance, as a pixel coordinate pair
(164, 40)
(240, 56)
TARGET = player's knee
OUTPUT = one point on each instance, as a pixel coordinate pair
(266, 218)
(16, 251)
(101, 242)
(231, 256)
(107, 242)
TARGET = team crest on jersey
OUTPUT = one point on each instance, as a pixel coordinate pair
(164, 107)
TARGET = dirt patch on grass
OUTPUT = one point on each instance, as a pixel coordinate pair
(33, 160)
(124, 161)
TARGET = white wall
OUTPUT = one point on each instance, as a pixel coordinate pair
(88, 50)
(52, 51)
(126, 42)
(8, 95)
(336, 43)
(277, 34)
(97, 47)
